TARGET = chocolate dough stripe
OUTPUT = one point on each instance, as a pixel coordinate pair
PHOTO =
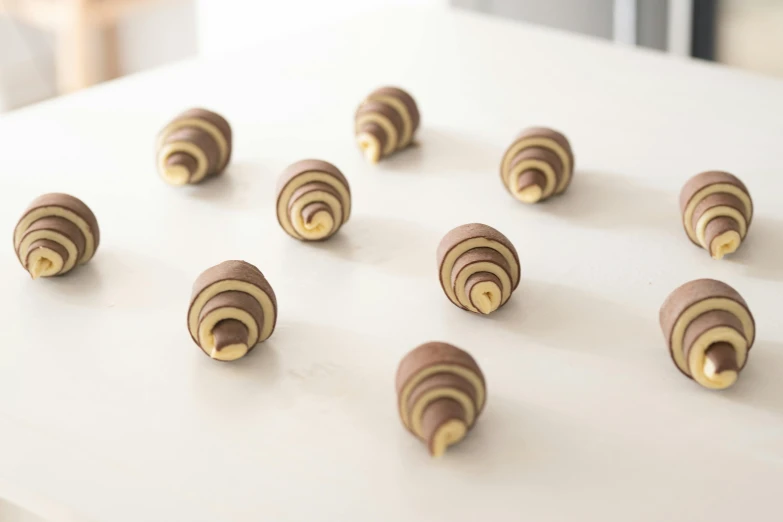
(310, 187)
(405, 106)
(196, 144)
(547, 139)
(231, 305)
(695, 315)
(475, 237)
(232, 276)
(701, 336)
(533, 158)
(476, 261)
(386, 117)
(437, 358)
(707, 184)
(372, 139)
(46, 250)
(59, 230)
(66, 207)
(439, 386)
(210, 122)
(440, 394)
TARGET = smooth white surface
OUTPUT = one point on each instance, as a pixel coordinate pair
(108, 410)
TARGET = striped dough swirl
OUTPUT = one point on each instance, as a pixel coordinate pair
(55, 233)
(385, 122)
(440, 394)
(716, 212)
(232, 308)
(194, 145)
(313, 200)
(478, 267)
(710, 330)
(538, 164)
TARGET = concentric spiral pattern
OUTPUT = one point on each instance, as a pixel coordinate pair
(478, 267)
(716, 212)
(710, 330)
(313, 200)
(537, 165)
(386, 122)
(440, 394)
(196, 144)
(55, 233)
(232, 308)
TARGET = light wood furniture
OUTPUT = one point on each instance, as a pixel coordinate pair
(75, 23)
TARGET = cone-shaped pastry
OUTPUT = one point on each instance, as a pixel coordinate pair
(710, 331)
(385, 122)
(313, 200)
(537, 165)
(716, 212)
(440, 394)
(232, 308)
(478, 267)
(196, 144)
(56, 233)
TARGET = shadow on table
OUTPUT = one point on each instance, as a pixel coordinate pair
(511, 438)
(760, 385)
(444, 153)
(235, 188)
(392, 245)
(601, 200)
(235, 387)
(573, 319)
(762, 251)
(118, 278)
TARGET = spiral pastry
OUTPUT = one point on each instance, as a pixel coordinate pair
(313, 200)
(478, 268)
(196, 144)
(55, 233)
(537, 165)
(710, 331)
(440, 394)
(232, 308)
(716, 212)
(385, 122)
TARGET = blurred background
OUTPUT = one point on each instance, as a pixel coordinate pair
(53, 47)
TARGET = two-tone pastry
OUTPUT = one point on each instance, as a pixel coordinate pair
(716, 212)
(478, 268)
(537, 165)
(385, 122)
(710, 330)
(313, 200)
(193, 146)
(55, 233)
(440, 394)
(232, 308)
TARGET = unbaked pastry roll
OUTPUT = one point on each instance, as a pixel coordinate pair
(232, 308)
(537, 165)
(716, 212)
(385, 122)
(478, 267)
(313, 200)
(710, 330)
(55, 233)
(195, 145)
(440, 394)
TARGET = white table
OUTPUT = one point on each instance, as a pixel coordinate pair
(109, 413)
